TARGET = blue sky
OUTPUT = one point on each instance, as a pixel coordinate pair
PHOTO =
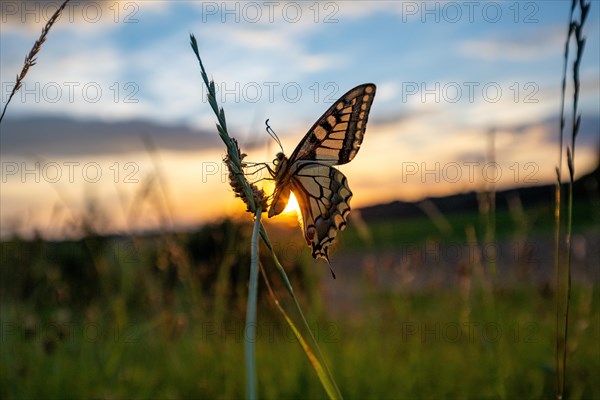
(446, 74)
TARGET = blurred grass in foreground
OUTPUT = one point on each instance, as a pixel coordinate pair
(161, 316)
(404, 346)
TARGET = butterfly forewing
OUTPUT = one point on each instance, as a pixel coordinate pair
(336, 137)
(321, 190)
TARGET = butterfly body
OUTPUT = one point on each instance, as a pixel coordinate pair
(321, 190)
(282, 192)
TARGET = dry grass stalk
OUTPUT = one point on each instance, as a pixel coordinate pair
(562, 334)
(30, 60)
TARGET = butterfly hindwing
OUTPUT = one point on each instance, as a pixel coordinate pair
(324, 198)
(336, 137)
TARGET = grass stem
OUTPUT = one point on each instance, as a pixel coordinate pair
(559, 339)
(30, 59)
(576, 31)
(250, 329)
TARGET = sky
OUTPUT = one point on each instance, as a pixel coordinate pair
(112, 122)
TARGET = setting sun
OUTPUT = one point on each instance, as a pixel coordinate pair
(292, 206)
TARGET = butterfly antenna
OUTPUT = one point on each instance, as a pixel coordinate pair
(272, 133)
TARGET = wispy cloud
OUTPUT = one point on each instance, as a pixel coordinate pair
(545, 42)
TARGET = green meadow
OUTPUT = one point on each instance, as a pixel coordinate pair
(162, 315)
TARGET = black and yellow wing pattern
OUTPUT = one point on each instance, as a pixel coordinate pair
(321, 190)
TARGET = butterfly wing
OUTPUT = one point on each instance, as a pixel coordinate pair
(324, 198)
(336, 137)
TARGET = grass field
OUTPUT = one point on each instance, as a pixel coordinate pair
(418, 346)
(162, 317)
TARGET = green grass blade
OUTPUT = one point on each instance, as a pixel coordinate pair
(320, 367)
(322, 373)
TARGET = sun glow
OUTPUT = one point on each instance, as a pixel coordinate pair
(292, 206)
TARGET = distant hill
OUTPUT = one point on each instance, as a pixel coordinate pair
(585, 187)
